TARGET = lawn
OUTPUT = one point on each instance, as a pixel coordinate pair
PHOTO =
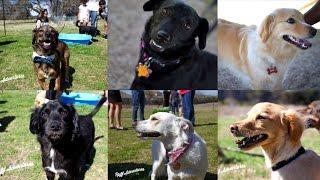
(251, 163)
(16, 50)
(127, 152)
(19, 146)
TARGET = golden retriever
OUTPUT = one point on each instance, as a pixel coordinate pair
(277, 131)
(264, 53)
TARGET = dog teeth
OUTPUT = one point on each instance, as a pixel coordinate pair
(155, 44)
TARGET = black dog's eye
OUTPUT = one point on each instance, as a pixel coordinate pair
(291, 21)
(45, 113)
(165, 12)
(187, 25)
(62, 111)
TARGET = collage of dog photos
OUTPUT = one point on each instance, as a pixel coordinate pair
(160, 89)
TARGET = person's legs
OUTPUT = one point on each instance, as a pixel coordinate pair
(135, 105)
(118, 109)
(192, 117)
(93, 18)
(186, 105)
(111, 115)
(141, 105)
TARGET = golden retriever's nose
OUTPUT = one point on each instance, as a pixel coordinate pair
(234, 129)
(313, 31)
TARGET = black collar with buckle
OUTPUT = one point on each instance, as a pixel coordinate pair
(285, 162)
(149, 64)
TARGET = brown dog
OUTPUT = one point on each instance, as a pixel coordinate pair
(50, 57)
(312, 110)
(277, 131)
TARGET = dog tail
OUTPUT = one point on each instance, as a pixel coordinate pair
(97, 138)
(98, 106)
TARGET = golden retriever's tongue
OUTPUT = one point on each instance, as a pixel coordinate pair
(301, 43)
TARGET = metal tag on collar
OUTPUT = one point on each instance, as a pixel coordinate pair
(143, 70)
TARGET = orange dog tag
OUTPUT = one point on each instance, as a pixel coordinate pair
(143, 70)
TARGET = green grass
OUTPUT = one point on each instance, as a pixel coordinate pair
(18, 145)
(254, 166)
(127, 152)
(15, 58)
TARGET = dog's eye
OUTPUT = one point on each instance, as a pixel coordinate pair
(187, 25)
(153, 119)
(165, 12)
(291, 21)
(62, 111)
(45, 113)
(260, 117)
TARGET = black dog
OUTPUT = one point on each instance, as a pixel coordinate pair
(66, 139)
(169, 58)
(92, 31)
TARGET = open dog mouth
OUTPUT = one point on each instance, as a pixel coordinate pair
(300, 43)
(148, 134)
(156, 46)
(247, 142)
(46, 44)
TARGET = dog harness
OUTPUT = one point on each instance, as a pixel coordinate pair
(43, 59)
(150, 64)
(285, 162)
(174, 155)
(272, 69)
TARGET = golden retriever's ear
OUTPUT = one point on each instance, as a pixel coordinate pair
(266, 27)
(295, 125)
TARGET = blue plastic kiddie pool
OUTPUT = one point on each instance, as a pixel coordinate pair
(77, 98)
(75, 38)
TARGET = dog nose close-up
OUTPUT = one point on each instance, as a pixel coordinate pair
(233, 129)
(163, 36)
(55, 126)
(47, 34)
(313, 31)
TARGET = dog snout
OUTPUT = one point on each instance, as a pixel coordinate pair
(313, 31)
(47, 34)
(55, 126)
(234, 129)
(163, 36)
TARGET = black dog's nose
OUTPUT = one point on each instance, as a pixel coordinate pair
(313, 31)
(47, 34)
(55, 126)
(233, 129)
(164, 36)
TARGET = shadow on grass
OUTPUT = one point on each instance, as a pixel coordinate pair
(5, 121)
(211, 176)
(3, 102)
(115, 170)
(2, 112)
(208, 124)
(2, 43)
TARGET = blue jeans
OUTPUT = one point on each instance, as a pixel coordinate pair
(174, 107)
(138, 103)
(93, 18)
(187, 105)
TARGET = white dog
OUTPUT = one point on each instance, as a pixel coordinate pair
(177, 150)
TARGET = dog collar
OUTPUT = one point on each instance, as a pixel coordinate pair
(43, 59)
(285, 162)
(150, 64)
(174, 155)
(272, 69)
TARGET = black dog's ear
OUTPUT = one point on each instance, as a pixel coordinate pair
(75, 121)
(34, 36)
(203, 29)
(152, 5)
(35, 122)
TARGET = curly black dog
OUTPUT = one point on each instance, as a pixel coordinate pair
(169, 58)
(66, 138)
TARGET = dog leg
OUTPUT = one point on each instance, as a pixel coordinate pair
(57, 84)
(159, 160)
(50, 175)
(42, 83)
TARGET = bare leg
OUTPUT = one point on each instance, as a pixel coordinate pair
(111, 115)
(118, 115)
